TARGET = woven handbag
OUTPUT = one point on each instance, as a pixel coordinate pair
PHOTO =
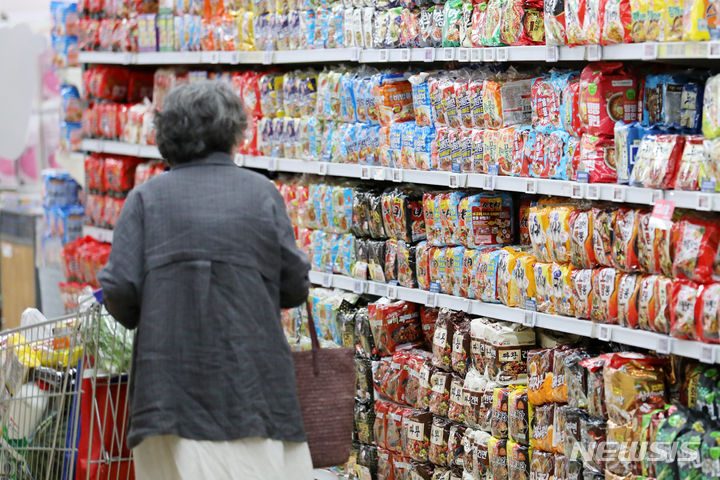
(326, 387)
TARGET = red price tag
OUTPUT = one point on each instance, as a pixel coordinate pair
(662, 213)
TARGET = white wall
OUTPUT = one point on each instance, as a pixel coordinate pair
(34, 12)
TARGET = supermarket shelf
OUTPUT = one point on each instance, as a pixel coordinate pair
(101, 234)
(595, 191)
(649, 51)
(626, 336)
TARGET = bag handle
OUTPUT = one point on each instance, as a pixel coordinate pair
(313, 339)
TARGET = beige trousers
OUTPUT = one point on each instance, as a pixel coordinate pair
(173, 458)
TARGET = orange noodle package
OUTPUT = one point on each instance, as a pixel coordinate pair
(608, 93)
(625, 240)
(695, 248)
(603, 220)
(394, 102)
(582, 254)
(632, 379)
(629, 290)
(662, 314)
(542, 427)
(543, 287)
(506, 101)
(707, 313)
(562, 289)
(605, 283)
(539, 364)
(519, 415)
(682, 309)
(522, 283)
(539, 227)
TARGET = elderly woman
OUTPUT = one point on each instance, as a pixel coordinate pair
(203, 259)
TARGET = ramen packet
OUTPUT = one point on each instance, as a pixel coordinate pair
(522, 23)
(559, 233)
(493, 23)
(605, 283)
(393, 323)
(603, 221)
(695, 248)
(617, 22)
(627, 141)
(519, 416)
(490, 220)
(539, 376)
(711, 108)
(461, 348)
(543, 287)
(562, 289)
(628, 292)
(499, 421)
(707, 313)
(497, 458)
(682, 310)
(570, 107)
(582, 254)
(406, 265)
(625, 239)
(440, 392)
(554, 20)
(439, 436)
(507, 102)
(539, 228)
(608, 93)
(422, 265)
(597, 160)
(576, 379)
(417, 431)
(692, 159)
(542, 427)
(518, 461)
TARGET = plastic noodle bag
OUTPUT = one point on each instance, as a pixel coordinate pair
(605, 283)
(625, 240)
(617, 22)
(554, 16)
(519, 415)
(542, 427)
(696, 246)
(440, 392)
(683, 306)
(627, 141)
(582, 254)
(543, 287)
(522, 23)
(693, 157)
(562, 289)
(597, 160)
(574, 22)
(603, 221)
(559, 233)
(707, 313)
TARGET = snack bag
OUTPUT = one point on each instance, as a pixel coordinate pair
(605, 284)
(683, 306)
(646, 301)
(542, 427)
(597, 160)
(562, 289)
(617, 22)
(570, 107)
(543, 287)
(519, 416)
(608, 94)
(711, 108)
(486, 278)
(603, 221)
(707, 313)
(695, 247)
(625, 239)
(522, 285)
(582, 253)
(662, 166)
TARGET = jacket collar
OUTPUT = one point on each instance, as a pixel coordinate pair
(216, 158)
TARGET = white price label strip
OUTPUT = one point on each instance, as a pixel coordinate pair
(577, 191)
(463, 55)
(714, 50)
(405, 55)
(327, 280)
(431, 300)
(379, 174)
(704, 202)
(397, 175)
(364, 173)
(359, 286)
(502, 54)
(650, 51)
(663, 346)
(448, 54)
(618, 194)
(604, 333)
(476, 55)
(593, 53)
(322, 168)
(489, 182)
(531, 186)
(529, 319)
(488, 54)
(707, 354)
(552, 54)
(383, 55)
(429, 54)
(392, 292)
(592, 192)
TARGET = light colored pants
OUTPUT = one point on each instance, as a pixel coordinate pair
(170, 457)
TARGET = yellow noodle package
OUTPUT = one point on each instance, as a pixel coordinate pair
(695, 21)
(522, 281)
(543, 287)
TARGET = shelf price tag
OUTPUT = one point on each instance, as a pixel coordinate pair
(713, 49)
(593, 53)
(429, 54)
(655, 195)
(235, 58)
(663, 346)
(272, 164)
(364, 172)
(592, 192)
(383, 55)
(448, 54)
(379, 174)
(268, 56)
(456, 180)
(577, 191)
(704, 202)
(322, 168)
(392, 292)
(618, 194)
(359, 286)
(463, 55)
(405, 55)
(397, 175)
(489, 182)
(327, 280)
(239, 159)
(431, 300)
(531, 186)
(552, 54)
(476, 55)
(529, 318)
(355, 54)
(604, 333)
(128, 58)
(650, 51)
(488, 54)
(661, 216)
(707, 354)
(502, 54)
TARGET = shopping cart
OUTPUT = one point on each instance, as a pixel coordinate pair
(63, 398)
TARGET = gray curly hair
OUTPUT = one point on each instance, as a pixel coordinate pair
(198, 119)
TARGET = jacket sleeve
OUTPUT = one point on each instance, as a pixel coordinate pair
(294, 280)
(121, 279)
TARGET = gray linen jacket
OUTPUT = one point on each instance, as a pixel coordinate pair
(203, 259)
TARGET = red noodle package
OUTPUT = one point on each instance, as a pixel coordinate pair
(605, 282)
(393, 323)
(542, 427)
(597, 159)
(603, 220)
(608, 93)
(662, 167)
(428, 318)
(625, 248)
(682, 310)
(522, 23)
(380, 426)
(395, 427)
(707, 313)
(616, 21)
(627, 299)
(696, 247)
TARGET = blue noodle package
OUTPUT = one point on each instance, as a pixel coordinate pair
(627, 142)
(423, 146)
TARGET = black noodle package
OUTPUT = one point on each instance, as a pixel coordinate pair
(363, 378)
(367, 462)
(364, 340)
(375, 225)
(361, 214)
(346, 319)
(364, 420)
(406, 265)
(376, 260)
